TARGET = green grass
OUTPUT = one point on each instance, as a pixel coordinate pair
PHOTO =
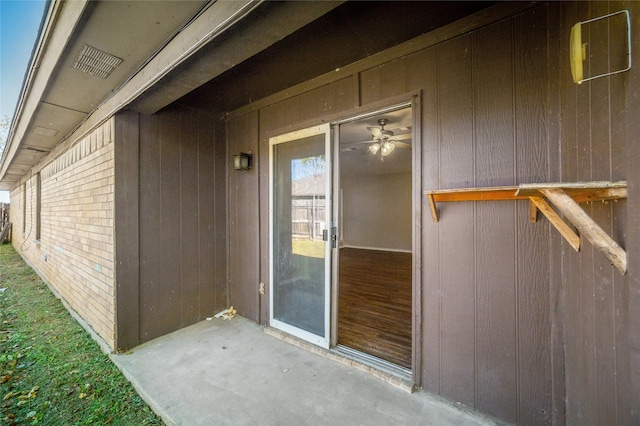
(309, 248)
(51, 371)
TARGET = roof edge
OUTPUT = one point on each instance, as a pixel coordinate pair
(50, 44)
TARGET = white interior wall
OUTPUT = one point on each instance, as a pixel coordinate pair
(376, 211)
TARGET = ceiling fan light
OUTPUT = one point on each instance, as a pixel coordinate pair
(387, 148)
(374, 148)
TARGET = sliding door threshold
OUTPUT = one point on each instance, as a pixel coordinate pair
(392, 374)
(374, 362)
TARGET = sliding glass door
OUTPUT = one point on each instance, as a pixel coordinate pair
(301, 233)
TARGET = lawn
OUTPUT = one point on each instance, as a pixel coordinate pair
(309, 248)
(51, 371)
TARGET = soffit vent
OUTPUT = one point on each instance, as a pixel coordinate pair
(96, 62)
(43, 131)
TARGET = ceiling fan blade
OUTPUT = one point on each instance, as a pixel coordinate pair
(402, 145)
(402, 137)
(350, 144)
(401, 130)
(375, 132)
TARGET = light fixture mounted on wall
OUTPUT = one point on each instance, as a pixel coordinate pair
(243, 161)
(578, 49)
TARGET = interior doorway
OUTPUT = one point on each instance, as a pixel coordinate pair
(374, 279)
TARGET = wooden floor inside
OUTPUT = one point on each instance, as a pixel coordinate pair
(374, 303)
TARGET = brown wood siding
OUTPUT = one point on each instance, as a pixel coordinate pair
(180, 276)
(127, 237)
(602, 367)
(514, 322)
(244, 218)
(534, 147)
(486, 268)
(457, 300)
(486, 275)
(626, 290)
(497, 301)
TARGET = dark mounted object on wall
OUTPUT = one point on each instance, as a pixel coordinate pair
(243, 161)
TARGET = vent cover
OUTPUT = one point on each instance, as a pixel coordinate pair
(96, 62)
(43, 131)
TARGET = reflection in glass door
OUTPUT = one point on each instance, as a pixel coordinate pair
(300, 208)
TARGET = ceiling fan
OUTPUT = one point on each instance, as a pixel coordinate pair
(385, 141)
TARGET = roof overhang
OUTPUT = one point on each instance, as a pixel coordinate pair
(148, 41)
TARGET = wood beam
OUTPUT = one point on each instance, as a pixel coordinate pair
(572, 238)
(432, 206)
(533, 212)
(587, 227)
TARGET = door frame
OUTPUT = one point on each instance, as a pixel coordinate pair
(323, 129)
(414, 103)
(413, 98)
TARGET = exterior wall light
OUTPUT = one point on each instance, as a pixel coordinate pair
(243, 161)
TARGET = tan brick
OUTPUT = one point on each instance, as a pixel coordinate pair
(76, 228)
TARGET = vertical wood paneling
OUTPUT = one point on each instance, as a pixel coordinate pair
(571, 319)
(456, 244)
(628, 291)
(127, 232)
(189, 232)
(265, 190)
(244, 201)
(526, 290)
(221, 257)
(597, 297)
(557, 298)
(571, 269)
(602, 297)
(490, 275)
(532, 243)
(150, 223)
(431, 294)
(496, 303)
(584, 336)
(209, 223)
(170, 238)
(183, 263)
(625, 160)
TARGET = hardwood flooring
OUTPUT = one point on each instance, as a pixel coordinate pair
(374, 303)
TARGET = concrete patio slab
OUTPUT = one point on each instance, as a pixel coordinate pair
(232, 373)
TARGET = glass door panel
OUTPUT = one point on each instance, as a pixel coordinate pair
(300, 241)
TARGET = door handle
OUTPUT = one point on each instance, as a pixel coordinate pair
(333, 232)
(334, 237)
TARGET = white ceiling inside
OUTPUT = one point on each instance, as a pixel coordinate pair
(355, 158)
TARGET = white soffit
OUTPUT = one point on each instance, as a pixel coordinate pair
(85, 52)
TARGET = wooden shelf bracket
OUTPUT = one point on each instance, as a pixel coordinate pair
(564, 197)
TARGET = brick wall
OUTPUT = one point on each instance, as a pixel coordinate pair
(75, 253)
